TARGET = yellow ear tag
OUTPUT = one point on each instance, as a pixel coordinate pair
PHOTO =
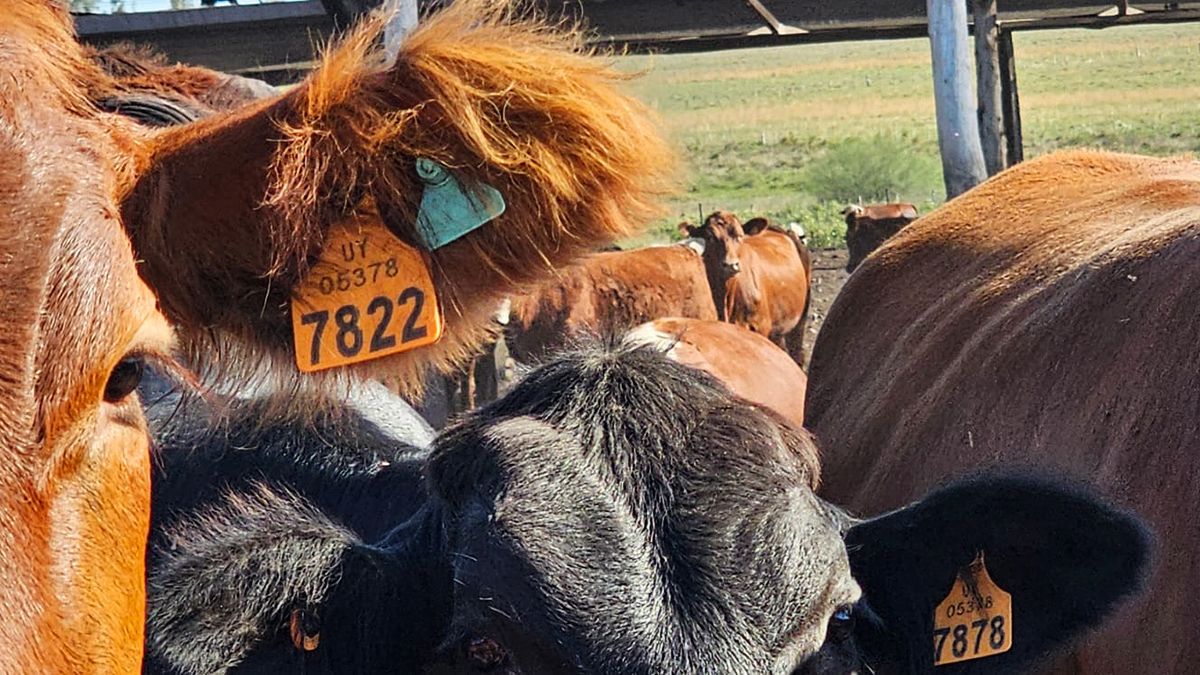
(972, 624)
(368, 295)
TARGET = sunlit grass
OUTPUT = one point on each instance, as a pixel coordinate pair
(748, 123)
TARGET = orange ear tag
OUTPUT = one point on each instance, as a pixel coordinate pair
(972, 625)
(368, 295)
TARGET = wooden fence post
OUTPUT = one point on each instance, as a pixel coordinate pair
(987, 69)
(1012, 100)
(958, 130)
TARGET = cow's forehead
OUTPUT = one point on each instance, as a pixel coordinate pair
(71, 293)
(721, 584)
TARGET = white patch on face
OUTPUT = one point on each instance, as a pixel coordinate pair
(393, 415)
(371, 400)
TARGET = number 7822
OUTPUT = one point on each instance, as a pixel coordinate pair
(349, 339)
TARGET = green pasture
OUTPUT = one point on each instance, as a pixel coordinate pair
(795, 132)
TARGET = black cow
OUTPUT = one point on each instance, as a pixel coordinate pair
(617, 512)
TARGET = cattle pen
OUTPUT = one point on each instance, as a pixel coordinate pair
(276, 41)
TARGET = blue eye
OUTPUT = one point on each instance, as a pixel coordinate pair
(841, 623)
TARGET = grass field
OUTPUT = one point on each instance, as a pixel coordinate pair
(792, 132)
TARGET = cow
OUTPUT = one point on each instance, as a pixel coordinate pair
(1046, 317)
(117, 239)
(750, 365)
(619, 512)
(867, 227)
(606, 294)
(145, 86)
(759, 276)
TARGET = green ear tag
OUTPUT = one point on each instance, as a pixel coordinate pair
(447, 210)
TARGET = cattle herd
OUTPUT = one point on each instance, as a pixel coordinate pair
(206, 282)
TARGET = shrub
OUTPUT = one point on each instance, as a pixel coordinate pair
(875, 168)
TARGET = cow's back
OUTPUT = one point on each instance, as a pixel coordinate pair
(632, 287)
(748, 364)
(607, 294)
(1048, 318)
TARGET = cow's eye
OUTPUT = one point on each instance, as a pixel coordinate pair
(486, 654)
(841, 624)
(123, 379)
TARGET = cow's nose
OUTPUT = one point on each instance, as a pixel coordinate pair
(733, 267)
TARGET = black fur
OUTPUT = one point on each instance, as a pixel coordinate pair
(151, 110)
(350, 468)
(1065, 556)
(289, 552)
(225, 584)
(647, 511)
(617, 513)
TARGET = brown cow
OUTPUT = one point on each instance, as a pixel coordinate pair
(759, 276)
(606, 294)
(867, 227)
(215, 222)
(1047, 318)
(748, 364)
(136, 70)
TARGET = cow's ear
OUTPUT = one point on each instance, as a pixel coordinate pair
(1065, 558)
(495, 147)
(687, 229)
(262, 578)
(247, 561)
(755, 225)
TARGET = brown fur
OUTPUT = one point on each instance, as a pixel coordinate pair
(759, 278)
(223, 216)
(1047, 317)
(74, 481)
(512, 104)
(606, 294)
(138, 69)
(750, 365)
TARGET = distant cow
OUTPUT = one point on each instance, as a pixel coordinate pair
(867, 227)
(759, 276)
(750, 365)
(606, 294)
(1047, 317)
(615, 513)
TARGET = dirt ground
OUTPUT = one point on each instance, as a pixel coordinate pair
(829, 273)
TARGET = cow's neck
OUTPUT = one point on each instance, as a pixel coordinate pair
(741, 295)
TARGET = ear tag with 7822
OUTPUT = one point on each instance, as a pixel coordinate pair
(975, 620)
(368, 295)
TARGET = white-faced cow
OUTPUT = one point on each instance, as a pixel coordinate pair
(618, 512)
(759, 276)
(107, 227)
(1047, 317)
